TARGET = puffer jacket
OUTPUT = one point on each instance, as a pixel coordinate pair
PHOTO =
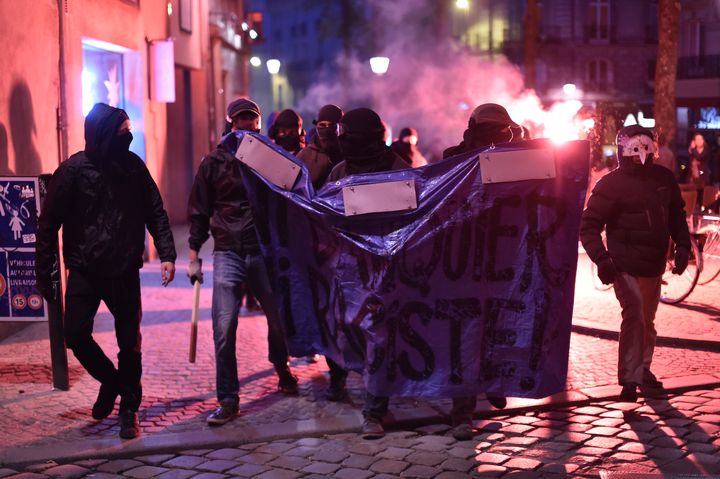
(219, 204)
(103, 199)
(641, 208)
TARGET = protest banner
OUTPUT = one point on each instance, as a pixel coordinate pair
(469, 290)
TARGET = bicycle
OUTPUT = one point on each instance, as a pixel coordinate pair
(709, 233)
(677, 287)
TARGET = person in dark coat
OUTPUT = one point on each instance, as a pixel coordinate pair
(640, 206)
(323, 153)
(406, 147)
(362, 143)
(488, 124)
(219, 204)
(287, 131)
(104, 197)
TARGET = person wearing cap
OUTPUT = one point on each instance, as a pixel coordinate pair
(640, 206)
(323, 153)
(406, 147)
(488, 124)
(103, 198)
(361, 135)
(218, 203)
(287, 131)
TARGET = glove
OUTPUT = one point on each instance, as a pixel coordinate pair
(194, 271)
(606, 271)
(46, 288)
(682, 256)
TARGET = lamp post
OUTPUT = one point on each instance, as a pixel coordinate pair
(273, 68)
(379, 65)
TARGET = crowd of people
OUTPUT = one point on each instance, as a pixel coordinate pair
(104, 197)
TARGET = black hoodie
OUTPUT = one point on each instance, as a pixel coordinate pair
(104, 197)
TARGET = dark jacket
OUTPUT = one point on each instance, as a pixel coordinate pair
(318, 163)
(387, 161)
(641, 208)
(219, 204)
(103, 200)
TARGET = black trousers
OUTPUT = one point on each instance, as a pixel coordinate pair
(122, 297)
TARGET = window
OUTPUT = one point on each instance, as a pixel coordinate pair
(690, 38)
(102, 78)
(598, 20)
(600, 77)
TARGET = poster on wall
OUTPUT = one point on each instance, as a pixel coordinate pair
(19, 211)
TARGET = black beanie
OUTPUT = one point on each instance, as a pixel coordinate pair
(363, 122)
(288, 119)
(331, 113)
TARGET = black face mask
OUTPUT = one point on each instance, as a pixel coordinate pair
(289, 142)
(122, 142)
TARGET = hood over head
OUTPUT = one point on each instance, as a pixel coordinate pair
(102, 143)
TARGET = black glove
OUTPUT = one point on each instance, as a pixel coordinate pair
(194, 271)
(46, 288)
(606, 271)
(682, 256)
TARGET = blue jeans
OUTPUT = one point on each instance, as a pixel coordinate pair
(230, 271)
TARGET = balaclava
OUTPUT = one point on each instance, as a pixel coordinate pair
(102, 143)
(327, 139)
(287, 119)
(362, 141)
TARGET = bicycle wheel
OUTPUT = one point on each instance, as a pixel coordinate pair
(677, 287)
(597, 284)
(711, 257)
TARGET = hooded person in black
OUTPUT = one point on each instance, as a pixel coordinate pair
(104, 197)
(362, 143)
(640, 206)
(406, 147)
(323, 153)
(287, 131)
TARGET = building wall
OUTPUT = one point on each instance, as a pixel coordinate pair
(28, 87)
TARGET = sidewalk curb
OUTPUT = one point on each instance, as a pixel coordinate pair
(586, 327)
(108, 448)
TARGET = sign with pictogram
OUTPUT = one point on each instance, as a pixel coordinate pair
(19, 211)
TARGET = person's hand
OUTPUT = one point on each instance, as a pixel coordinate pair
(194, 271)
(46, 288)
(167, 272)
(607, 271)
(682, 257)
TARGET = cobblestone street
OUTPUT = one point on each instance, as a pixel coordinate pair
(576, 433)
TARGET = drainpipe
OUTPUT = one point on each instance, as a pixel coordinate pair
(61, 111)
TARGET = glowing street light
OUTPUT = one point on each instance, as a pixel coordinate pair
(255, 61)
(273, 66)
(462, 4)
(379, 65)
(569, 89)
(253, 34)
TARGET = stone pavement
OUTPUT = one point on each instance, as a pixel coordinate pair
(39, 424)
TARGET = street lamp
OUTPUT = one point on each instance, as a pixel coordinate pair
(273, 66)
(255, 61)
(462, 4)
(379, 65)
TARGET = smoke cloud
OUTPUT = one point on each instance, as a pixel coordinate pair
(432, 84)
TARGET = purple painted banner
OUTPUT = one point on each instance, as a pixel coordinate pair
(470, 292)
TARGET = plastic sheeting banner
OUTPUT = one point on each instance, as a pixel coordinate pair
(470, 292)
